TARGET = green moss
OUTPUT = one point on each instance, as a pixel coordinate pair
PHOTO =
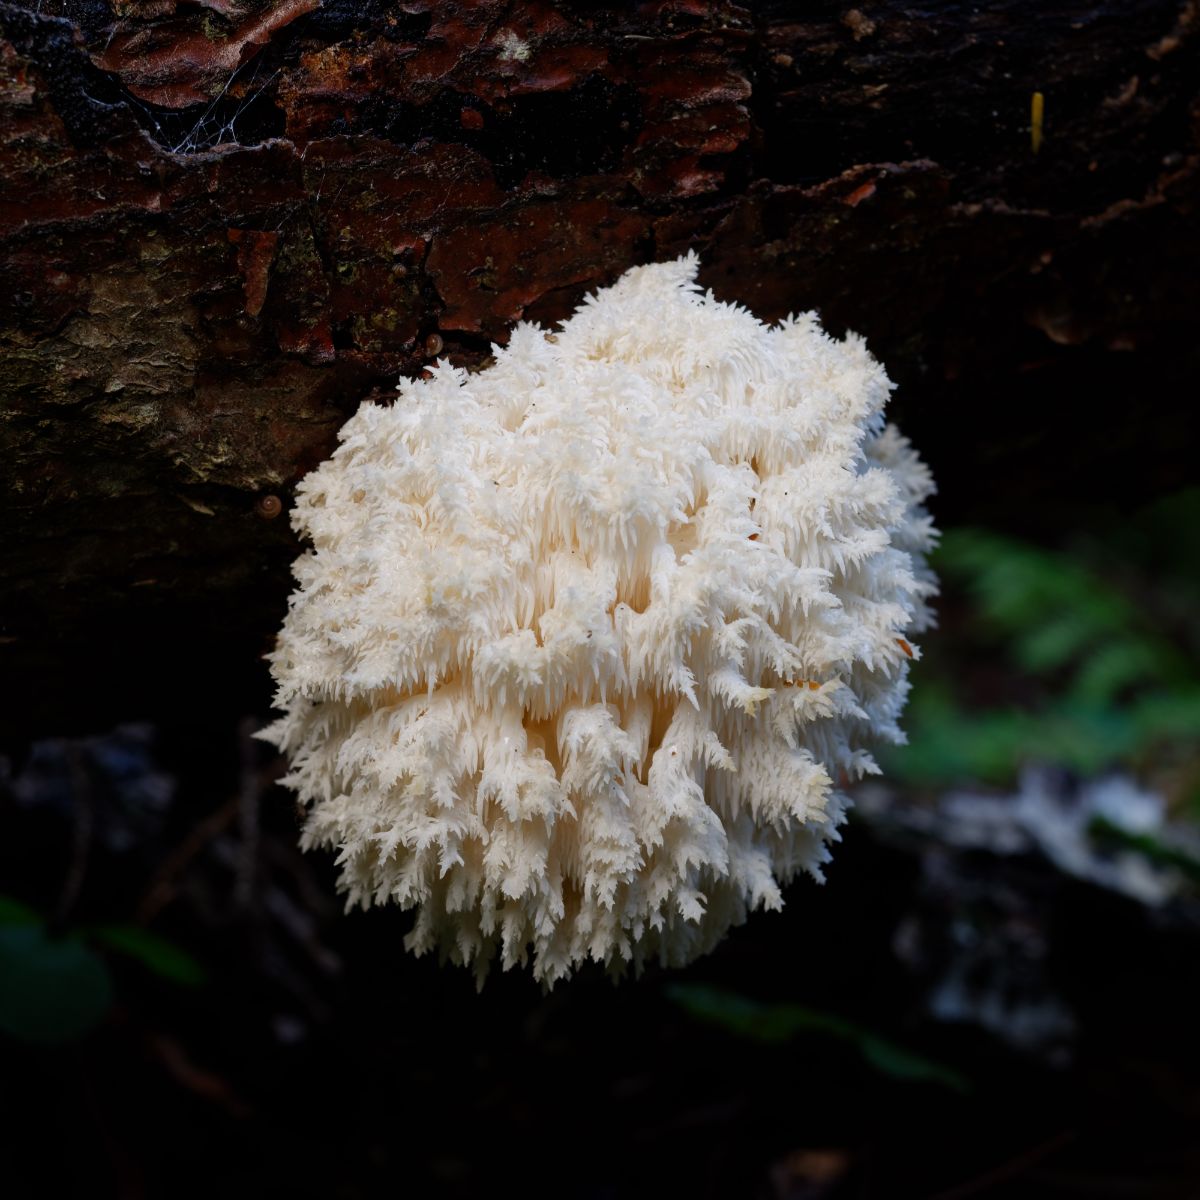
(214, 27)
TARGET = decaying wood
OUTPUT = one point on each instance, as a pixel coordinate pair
(223, 223)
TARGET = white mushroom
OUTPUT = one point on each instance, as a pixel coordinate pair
(590, 642)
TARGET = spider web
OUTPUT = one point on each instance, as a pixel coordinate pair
(227, 119)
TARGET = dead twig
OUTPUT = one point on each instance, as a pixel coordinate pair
(83, 819)
(1008, 1170)
(165, 882)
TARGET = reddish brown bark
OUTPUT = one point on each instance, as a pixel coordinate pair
(224, 223)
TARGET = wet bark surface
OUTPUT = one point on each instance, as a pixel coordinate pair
(224, 224)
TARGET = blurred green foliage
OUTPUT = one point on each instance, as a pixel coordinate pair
(156, 954)
(57, 986)
(1086, 657)
(52, 988)
(781, 1022)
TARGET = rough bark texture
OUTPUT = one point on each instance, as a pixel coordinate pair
(223, 223)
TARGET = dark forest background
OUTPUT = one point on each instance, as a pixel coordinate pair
(225, 223)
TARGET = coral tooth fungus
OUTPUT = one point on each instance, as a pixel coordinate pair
(543, 677)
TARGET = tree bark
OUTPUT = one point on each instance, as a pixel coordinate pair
(224, 223)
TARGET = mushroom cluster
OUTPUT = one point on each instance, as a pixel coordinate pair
(589, 643)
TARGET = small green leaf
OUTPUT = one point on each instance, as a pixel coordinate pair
(153, 952)
(903, 1064)
(749, 1018)
(775, 1023)
(51, 989)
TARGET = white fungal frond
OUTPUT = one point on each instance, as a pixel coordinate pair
(589, 643)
